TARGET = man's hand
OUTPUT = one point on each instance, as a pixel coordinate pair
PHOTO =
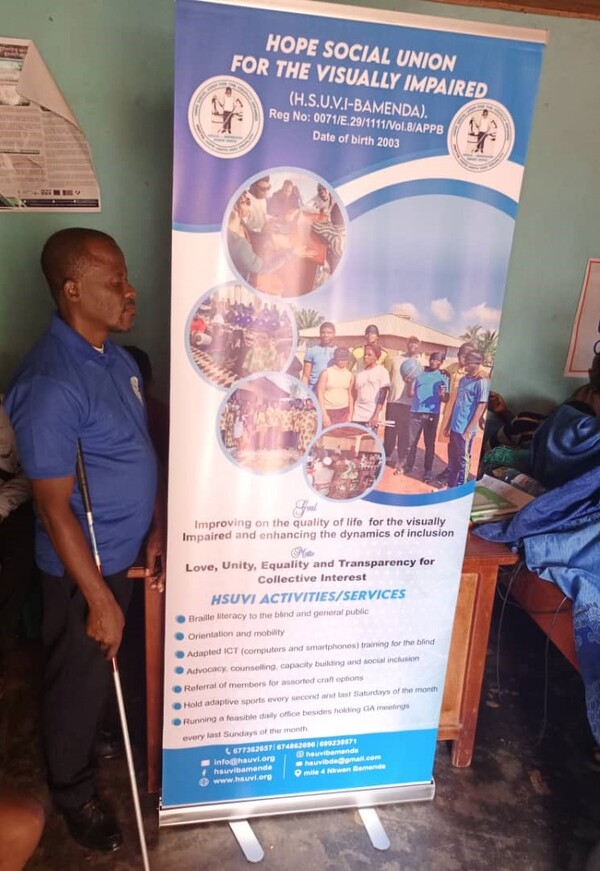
(105, 619)
(105, 625)
(155, 558)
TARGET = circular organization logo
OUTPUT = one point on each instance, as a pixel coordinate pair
(225, 116)
(481, 135)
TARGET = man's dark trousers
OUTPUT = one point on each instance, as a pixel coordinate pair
(76, 687)
(396, 437)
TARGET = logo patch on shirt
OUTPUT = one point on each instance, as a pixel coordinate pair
(135, 386)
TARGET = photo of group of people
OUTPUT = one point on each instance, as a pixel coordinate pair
(425, 400)
(285, 233)
(344, 463)
(233, 333)
(267, 423)
(420, 391)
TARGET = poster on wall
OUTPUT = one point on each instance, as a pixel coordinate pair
(585, 336)
(346, 183)
(45, 159)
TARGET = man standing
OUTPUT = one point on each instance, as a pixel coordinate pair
(404, 369)
(431, 389)
(76, 387)
(319, 357)
(357, 360)
(469, 404)
(229, 105)
(485, 127)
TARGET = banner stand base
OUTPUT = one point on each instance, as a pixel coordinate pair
(247, 840)
(241, 811)
(374, 826)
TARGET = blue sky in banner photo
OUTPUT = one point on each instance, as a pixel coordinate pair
(400, 255)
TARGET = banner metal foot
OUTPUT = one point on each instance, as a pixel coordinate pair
(249, 843)
(374, 826)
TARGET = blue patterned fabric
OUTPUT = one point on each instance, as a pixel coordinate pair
(559, 533)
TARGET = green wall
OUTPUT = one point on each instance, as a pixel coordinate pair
(113, 60)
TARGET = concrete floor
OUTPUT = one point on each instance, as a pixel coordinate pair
(523, 805)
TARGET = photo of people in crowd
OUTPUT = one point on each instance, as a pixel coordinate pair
(345, 462)
(232, 332)
(285, 233)
(267, 423)
(422, 392)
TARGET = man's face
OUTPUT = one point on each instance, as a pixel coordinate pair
(462, 356)
(413, 349)
(371, 338)
(106, 299)
(327, 335)
(434, 363)
(261, 188)
(472, 364)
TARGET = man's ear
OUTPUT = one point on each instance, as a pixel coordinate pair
(70, 290)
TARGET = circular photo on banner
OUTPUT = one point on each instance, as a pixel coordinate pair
(344, 462)
(285, 232)
(232, 333)
(481, 135)
(225, 116)
(267, 423)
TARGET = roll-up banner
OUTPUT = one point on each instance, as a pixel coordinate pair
(346, 183)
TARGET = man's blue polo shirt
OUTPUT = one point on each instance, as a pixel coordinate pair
(471, 391)
(66, 390)
(427, 392)
(320, 356)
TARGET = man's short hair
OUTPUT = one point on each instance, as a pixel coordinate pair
(64, 253)
(371, 328)
(327, 325)
(414, 339)
(474, 357)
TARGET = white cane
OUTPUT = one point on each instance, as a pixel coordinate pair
(87, 504)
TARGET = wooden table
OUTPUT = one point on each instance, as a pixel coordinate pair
(468, 647)
(462, 690)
